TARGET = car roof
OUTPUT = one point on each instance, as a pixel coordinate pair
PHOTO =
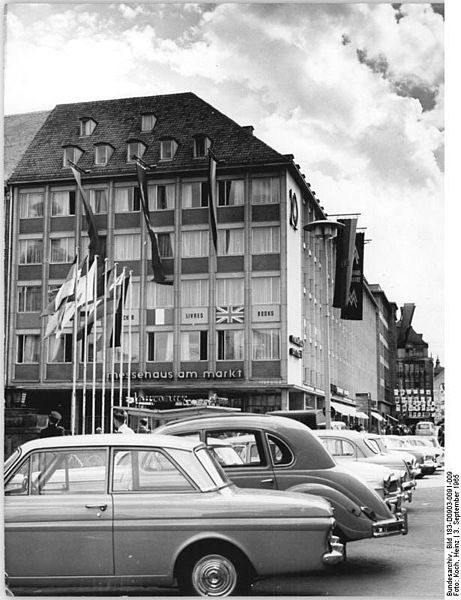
(240, 420)
(111, 439)
(355, 435)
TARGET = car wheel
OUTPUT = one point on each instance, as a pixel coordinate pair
(214, 572)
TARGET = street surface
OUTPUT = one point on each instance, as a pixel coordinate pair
(399, 566)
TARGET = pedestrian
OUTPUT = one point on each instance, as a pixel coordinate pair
(120, 421)
(53, 428)
(143, 426)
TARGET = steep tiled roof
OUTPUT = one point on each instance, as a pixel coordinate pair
(19, 131)
(179, 116)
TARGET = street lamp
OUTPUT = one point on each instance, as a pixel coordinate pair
(326, 230)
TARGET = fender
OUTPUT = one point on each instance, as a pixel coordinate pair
(352, 522)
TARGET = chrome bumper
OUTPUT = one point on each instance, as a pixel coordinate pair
(396, 526)
(395, 499)
(336, 553)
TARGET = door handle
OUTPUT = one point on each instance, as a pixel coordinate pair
(101, 507)
(270, 480)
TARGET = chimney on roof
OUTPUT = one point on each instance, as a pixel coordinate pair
(248, 128)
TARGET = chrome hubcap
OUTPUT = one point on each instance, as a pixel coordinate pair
(214, 575)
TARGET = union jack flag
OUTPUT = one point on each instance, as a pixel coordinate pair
(230, 314)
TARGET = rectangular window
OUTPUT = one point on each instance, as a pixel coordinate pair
(266, 240)
(266, 290)
(194, 292)
(148, 122)
(161, 197)
(127, 246)
(229, 291)
(71, 153)
(231, 193)
(167, 149)
(266, 344)
(127, 199)
(85, 244)
(135, 149)
(31, 205)
(201, 145)
(195, 195)
(62, 204)
(134, 357)
(231, 242)
(195, 243)
(30, 251)
(265, 190)
(102, 154)
(29, 298)
(159, 296)
(194, 345)
(28, 348)
(230, 344)
(87, 126)
(160, 346)
(60, 350)
(165, 244)
(62, 250)
(98, 201)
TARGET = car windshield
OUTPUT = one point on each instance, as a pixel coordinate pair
(395, 443)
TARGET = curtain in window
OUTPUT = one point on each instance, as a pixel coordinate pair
(266, 343)
(161, 197)
(230, 241)
(165, 244)
(194, 292)
(31, 205)
(127, 247)
(29, 299)
(60, 350)
(124, 200)
(229, 292)
(230, 193)
(160, 346)
(61, 250)
(159, 296)
(134, 346)
(265, 190)
(194, 243)
(30, 252)
(28, 348)
(230, 345)
(190, 345)
(266, 239)
(192, 195)
(98, 201)
(266, 290)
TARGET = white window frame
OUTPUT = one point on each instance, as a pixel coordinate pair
(133, 200)
(65, 203)
(148, 121)
(201, 292)
(25, 204)
(167, 346)
(227, 290)
(170, 192)
(65, 343)
(25, 242)
(225, 189)
(223, 242)
(198, 139)
(135, 147)
(203, 243)
(185, 346)
(37, 348)
(168, 149)
(24, 290)
(102, 158)
(274, 193)
(274, 342)
(72, 153)
(69, 249)
(87, 126)
(274, 246)
(187, 196)
(92, 200)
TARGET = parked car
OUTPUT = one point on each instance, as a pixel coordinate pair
(353, 446)
(113, 511)
(428, 444)
(425, 457)
(425, 428)
(280, 453)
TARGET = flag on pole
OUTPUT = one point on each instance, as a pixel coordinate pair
(345, 244)
(96, 246)
(65, 291)
(212, 193)
(117, 332)
(159, 274)
(353, 310)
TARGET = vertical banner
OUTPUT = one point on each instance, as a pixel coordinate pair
(212, 189)
(345, 244)
(353, 310)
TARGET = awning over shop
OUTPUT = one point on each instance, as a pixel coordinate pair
(349, 411)
(361, 415)
(392, 418)
(377, 416)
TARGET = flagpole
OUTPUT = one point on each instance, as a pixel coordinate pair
(121, 339)
(112, 377)
(128, 385)
(85, 346)
(73, 402)
(93, 394)
(104, 341)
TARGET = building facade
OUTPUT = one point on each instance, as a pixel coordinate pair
(241, 326)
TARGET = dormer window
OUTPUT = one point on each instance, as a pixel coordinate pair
(201, 145)
(72, 153)
(148, 122)
(135, 148)
(102, 154)
(168, 149)
(87, 126)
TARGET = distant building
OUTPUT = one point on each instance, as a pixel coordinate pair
(439, 391)
(414, 391)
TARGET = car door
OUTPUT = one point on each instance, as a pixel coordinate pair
(155, 510)
(256, 470)
(58, 516)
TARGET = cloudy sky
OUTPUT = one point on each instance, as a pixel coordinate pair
(354, 91)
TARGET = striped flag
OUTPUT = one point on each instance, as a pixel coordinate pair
(212, 193)
(230, 314)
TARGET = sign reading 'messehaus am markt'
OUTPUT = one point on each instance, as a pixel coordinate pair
(142, 375)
